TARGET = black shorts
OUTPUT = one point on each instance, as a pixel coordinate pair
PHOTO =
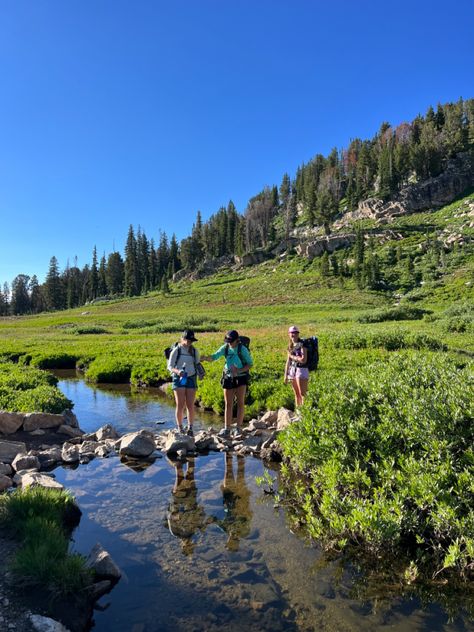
(229, 382)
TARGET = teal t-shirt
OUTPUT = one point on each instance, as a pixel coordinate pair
(233, 358)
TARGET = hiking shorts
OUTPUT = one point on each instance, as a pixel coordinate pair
(298, 372)
(191, 382)
(229, 382)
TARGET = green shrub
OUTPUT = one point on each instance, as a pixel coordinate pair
(54, 360)
(388, 459)
(389, 340)
(25, 389)
(109, 369)
(91, 329)
(402, 312)
(150, 373)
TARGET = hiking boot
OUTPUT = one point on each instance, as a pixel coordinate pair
(190, 432)
(224, 433)
(181, 430)
(237, 433)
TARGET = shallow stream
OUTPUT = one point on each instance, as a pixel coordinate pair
(202, 548)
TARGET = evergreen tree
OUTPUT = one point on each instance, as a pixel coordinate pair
(285, 189)
(115, 273)
(174, 253)
(102, 282)
(37, 303)
(324, 264)
(94, 277)
(4, 305)
(20, 302)
(164, 284)
(131, 286)
(143, 260)
(53, 288)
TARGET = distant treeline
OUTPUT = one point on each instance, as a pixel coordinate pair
(319, 192)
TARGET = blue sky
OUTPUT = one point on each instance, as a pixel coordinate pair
(115, 112)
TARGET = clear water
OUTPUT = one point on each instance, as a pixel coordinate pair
(200, 546)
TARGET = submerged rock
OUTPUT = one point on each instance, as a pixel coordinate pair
(102, 563)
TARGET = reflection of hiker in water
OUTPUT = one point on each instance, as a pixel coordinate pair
(185, 516)
(236, 499)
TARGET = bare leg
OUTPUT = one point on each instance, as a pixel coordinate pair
(303, 386)
(190, 398)
(241, 390)
(229, 394)
(180, 398)
(296, 388)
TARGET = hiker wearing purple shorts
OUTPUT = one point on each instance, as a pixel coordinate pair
(296, 370)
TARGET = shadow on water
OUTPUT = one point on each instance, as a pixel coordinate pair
(201, 548)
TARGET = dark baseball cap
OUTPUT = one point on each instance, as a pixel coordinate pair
(188, 334)
(231, 336)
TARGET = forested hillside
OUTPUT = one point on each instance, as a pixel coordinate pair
(318, 200)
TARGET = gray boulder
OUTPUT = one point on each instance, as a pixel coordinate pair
(25, 462)
(285, 418)
(5, 482)
(10, 422)
(36, 479)
(6, 469)
(102, 563)
(9, 450)
(137, 444)
(106, 432)
(70, 453)
(70, 419)
(42, 420)
(176, 441)
(45, 624)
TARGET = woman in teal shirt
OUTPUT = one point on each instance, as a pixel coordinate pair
(234, 379)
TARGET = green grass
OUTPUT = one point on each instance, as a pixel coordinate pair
(39, 519)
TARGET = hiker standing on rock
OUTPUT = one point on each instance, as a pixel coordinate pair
(235, 377)
(296, 370)
(182, 363)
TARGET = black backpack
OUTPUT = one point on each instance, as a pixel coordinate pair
(243, 341)
(311, 345)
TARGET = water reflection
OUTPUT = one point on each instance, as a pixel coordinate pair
(185, 516)
(236, 501)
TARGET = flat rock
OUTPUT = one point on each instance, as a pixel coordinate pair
(45, 624)
(176, 441)
(69, 431)
(36, 479)
(42, 420)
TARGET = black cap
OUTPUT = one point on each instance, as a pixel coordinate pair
(188, 334)
(231, 336)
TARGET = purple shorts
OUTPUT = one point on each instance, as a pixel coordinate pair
(298, 372)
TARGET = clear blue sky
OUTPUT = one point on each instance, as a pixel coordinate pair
(115, 112)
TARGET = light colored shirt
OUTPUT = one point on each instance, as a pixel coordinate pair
(233, 358)
(187, 360)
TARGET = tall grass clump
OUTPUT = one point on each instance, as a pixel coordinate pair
(388, 460)
(41, 519)
(108, 369)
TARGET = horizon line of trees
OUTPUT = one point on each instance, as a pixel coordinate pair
(319, 192)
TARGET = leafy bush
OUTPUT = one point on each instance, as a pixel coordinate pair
(402, 312)
(46, 399)
(389, 340)
(388, 457)
(25, 389)
(109, 369)
(150, 373)
(91, 329)
(54, 360)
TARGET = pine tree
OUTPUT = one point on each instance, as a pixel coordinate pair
(20, 302)
(131, 287)
(324, 264)
(53, 289)
(94, 277)
(36, 297)
(115, 273)
(102, 281)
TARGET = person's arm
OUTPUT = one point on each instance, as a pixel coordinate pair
(287, 368)
(213, 356)
(172, 362)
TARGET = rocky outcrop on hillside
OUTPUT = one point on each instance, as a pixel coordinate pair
(316, 248)
(429, 194)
